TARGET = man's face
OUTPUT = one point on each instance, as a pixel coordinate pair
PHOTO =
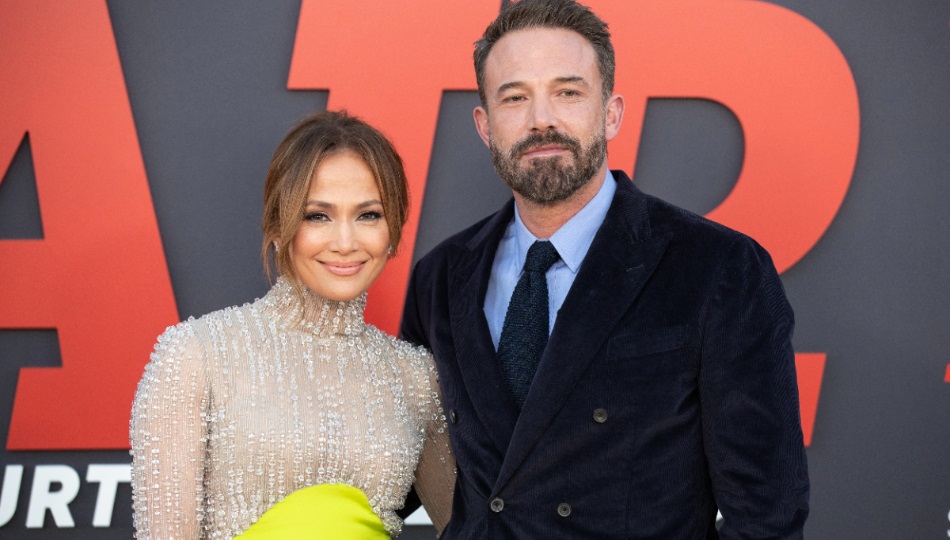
(544, 120)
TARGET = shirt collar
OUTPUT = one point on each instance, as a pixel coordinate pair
(574, 238)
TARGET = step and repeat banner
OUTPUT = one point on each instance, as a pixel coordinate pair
(134, 138)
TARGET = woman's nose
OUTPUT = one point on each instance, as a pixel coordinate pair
(345, 240)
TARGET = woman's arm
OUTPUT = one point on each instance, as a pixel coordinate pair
(168, 434)
(435, 474)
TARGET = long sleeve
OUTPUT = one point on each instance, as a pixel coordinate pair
(168, 438)
(435, 473)
(246, 405)
(749, 402)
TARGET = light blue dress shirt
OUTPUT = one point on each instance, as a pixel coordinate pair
(571, 241)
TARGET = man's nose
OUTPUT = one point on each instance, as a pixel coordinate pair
(543, 116)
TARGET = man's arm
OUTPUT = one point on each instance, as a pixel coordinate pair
(749, 398)
(413, 326)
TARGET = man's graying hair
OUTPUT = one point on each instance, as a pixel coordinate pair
(566, 14)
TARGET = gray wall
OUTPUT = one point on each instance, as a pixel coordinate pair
(207, 83)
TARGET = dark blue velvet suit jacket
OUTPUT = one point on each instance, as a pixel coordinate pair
(667, 389)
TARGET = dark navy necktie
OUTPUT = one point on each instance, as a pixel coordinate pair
(525, 331)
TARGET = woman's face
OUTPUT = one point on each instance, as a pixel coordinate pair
(342, 244)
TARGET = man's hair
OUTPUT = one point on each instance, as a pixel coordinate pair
(313, 140)
(566, 14)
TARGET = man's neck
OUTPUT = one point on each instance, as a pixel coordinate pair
(543, 220)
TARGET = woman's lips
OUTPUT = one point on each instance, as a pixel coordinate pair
(343, 269)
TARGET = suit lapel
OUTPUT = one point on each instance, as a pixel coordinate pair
(481, 373)
(618, 264)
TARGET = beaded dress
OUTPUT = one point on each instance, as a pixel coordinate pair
(246, 405)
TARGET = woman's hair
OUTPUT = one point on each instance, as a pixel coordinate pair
(292, 167)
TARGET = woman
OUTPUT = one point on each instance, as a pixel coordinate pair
(290, 417)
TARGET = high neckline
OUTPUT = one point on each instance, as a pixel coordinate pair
(310, 312)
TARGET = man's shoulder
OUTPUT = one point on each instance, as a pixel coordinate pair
(468, 238)
(666, 218)
(696, 237)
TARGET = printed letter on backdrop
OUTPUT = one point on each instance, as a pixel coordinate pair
(787, 84)
(99, 275)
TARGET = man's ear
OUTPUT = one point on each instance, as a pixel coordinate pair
(481, 123)
(613, 116)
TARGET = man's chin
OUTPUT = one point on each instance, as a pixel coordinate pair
(548, 196)
(535, 165)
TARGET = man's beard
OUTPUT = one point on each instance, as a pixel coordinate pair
(547, 180)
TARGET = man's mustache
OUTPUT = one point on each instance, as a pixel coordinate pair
(537, 139)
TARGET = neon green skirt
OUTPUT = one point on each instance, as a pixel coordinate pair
(330, 511)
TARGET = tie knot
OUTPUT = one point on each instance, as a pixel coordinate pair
(541, 255)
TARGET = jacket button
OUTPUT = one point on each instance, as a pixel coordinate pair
(600, 415)
(563, 509)
(453, 417)
(497, 505)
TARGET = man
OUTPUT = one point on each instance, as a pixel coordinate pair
(661, 386)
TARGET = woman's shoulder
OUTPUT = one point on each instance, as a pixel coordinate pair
(403, 351)
(190, 329)
(415, 367)
(181, 337)
(178, 350)
(192, 337)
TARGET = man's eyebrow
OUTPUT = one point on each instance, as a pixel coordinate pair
(560, 80)
(572, 79)
(509, 86)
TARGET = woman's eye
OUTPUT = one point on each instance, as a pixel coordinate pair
(316, 216)
(371, 216)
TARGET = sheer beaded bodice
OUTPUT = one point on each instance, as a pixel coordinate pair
(245, 405)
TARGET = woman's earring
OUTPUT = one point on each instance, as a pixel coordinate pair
(276, 248)
(389, 251)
